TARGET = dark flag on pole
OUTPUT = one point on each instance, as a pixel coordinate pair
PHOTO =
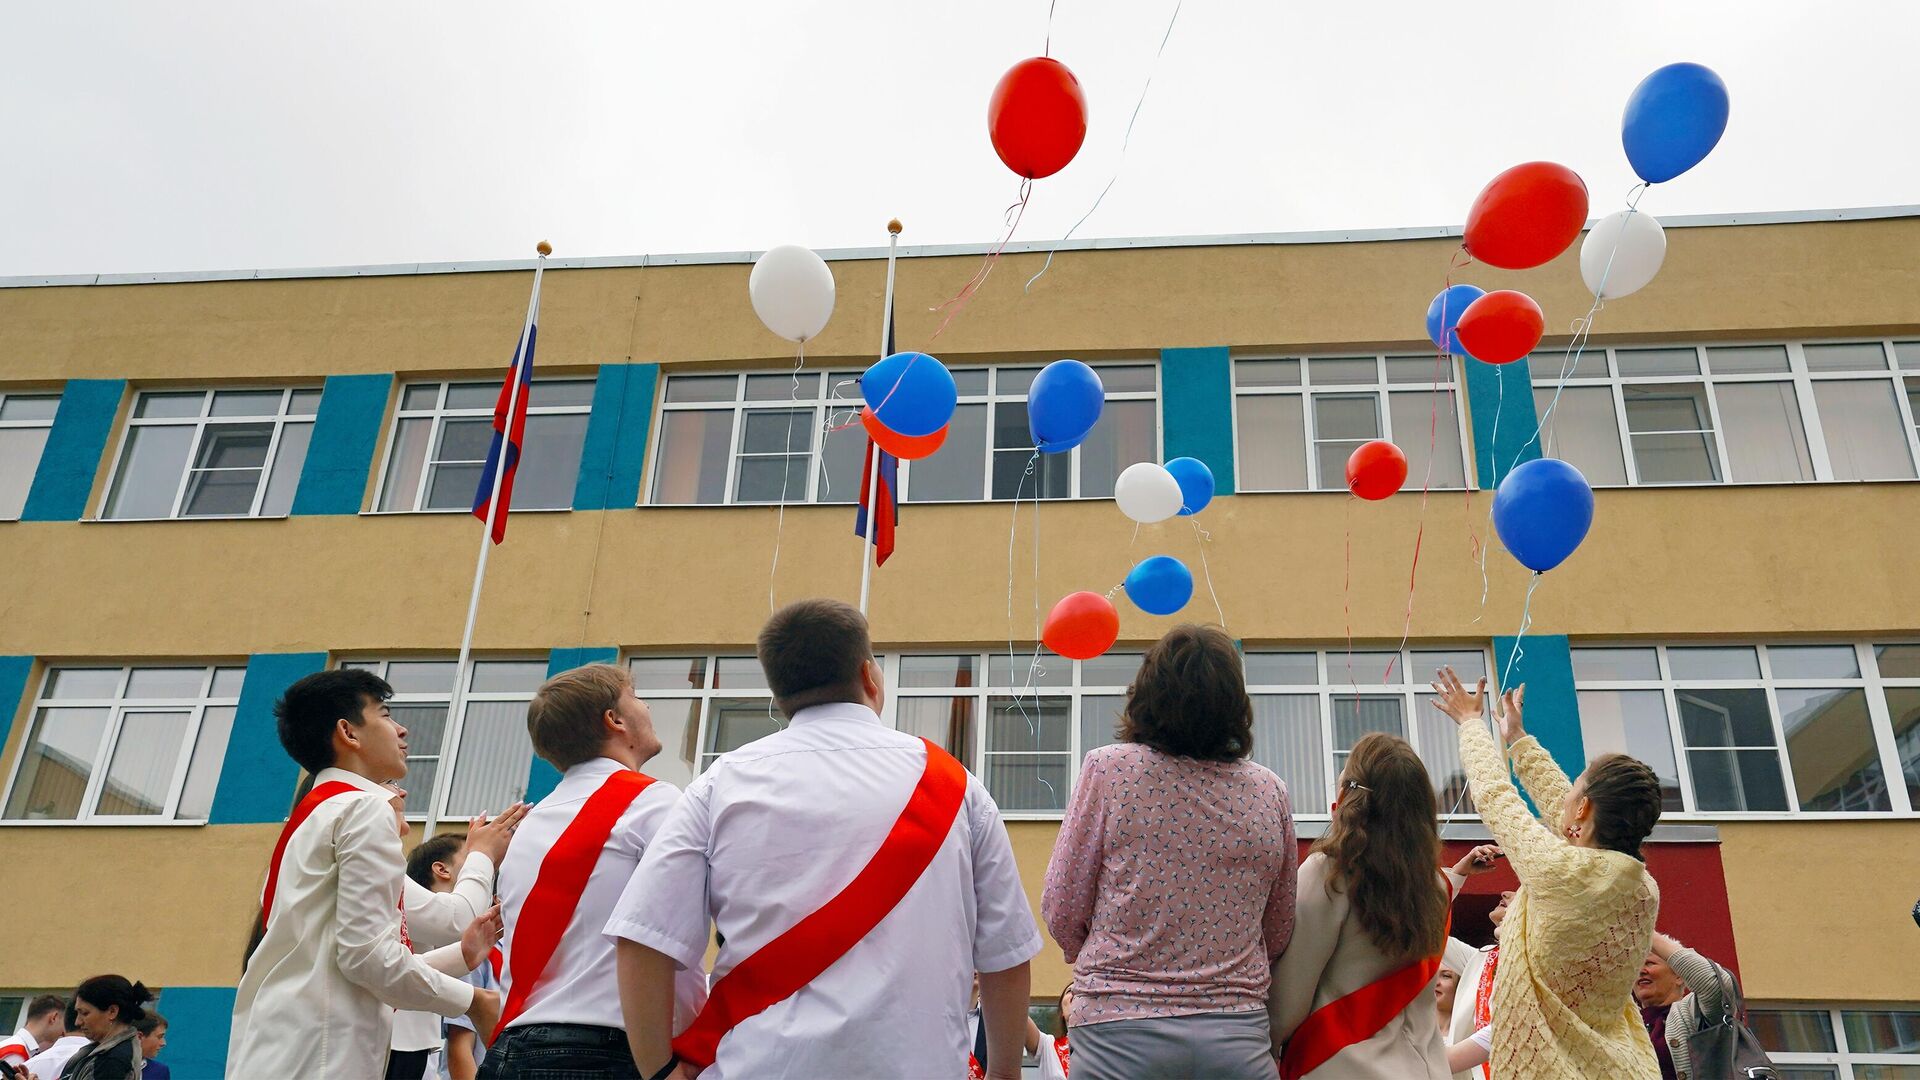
(887, 494)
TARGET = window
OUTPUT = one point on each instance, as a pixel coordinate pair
(796, 437)
(1298, 420)
(491, 763)
(1820, 1043)
(1743, 414)
(125, 745)
(1774, 728)
(212, 453)
(25, 420)
(1310, 707)
(441, 432)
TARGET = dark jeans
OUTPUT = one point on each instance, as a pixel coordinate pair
(407, 1064)
(560, 1052)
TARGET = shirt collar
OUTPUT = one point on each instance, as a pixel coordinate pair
(593, 769)
(330, 774)
(835, 710)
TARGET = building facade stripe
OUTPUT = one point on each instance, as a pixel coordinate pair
(64, 481)
(614, 454)
(257, 778)
(1196, 405)
(340, 457)
(1501, 414)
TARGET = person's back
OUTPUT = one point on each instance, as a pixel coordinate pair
(779, 830)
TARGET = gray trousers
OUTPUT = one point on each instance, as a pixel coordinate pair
(1203, 1046)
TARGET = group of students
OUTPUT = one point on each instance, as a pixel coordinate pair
(842, 880)
(108, 1031)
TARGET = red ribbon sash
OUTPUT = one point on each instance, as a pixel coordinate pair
(556, 889)
(1359, 1016)
(1483, 1001)
(300, 814)
(789, 962)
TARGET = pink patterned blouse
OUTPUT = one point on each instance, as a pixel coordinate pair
(1170, 889)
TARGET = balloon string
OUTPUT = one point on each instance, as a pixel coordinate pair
(1500, 403)
(1206, 538)
(1124, 142)
(1526, 623)
(780, 519)
(1346, 603)
(1033, 666)
(958, 301)
(1046, 49)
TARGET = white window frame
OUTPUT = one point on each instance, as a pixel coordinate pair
(1306, 391)
(280, 420)
(1803, 382)
(446, 756)
(439, 414)
(31, 424)
(1331, 683)
(1842, 1058)
(1869, 681)
(839, 403)
(118, 706)
(1366, 682)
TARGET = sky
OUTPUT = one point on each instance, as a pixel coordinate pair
(219, 136)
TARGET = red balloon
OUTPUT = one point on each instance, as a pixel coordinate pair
(1081, 626)
(1037, 117)
(1501, 327)
(1527, 215)
(904, 447)
(1376, 470)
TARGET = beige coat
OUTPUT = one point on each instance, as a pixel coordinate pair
(1330, 957)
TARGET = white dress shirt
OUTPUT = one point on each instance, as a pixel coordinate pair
(46, 1065)
(578, 985)
(435, 919)
(19, 1046)
(313, 1000)
(771, 832)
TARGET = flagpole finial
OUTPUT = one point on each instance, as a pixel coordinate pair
(894, 227)
(545, 249)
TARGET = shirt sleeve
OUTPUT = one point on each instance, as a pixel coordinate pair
(1316, 930)
(1073, 871)
(1004, 933)
(664, 905)
(1541, 776)
(1541, 858)
(1277, 924)
(367, 944)
(1701, 975)
(439, 918)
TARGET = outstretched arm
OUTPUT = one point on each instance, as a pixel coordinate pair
(1536, 852)
(1539, 774)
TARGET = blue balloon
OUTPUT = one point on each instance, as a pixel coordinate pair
(1160, 585)
(1674, 119)
(1063, 405)
(910, 393)
(1449, 304)
(1196, 484)
(1542, 511)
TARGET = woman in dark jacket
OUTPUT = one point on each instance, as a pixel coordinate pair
(105, 1009)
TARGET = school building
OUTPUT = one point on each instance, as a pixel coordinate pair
(215, 483)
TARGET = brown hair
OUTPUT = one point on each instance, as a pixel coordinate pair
(1384, 848)
(812, 652)
(566, 718)
(1190, 697)
(1626, 802)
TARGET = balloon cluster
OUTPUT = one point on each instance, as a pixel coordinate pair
(910, 401)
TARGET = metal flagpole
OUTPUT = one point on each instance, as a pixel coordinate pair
(456, 705)
(872, 538)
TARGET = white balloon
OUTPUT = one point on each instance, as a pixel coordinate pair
(1147, 492)
(792, 292)
(1636, 245)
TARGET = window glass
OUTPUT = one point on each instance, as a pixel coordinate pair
(955, 474)
(939, 670)
(288, 460)
(19, 459)
(668, 672)
(490, 766)
(550, 466)
(166, 682)
(1282, 669)
(1419, 369)
(1426, 427)
(1113, 668)
(677, 722)
(209, 753)
(1272, 443)
(57, 764)
(1287, 739)
(84, 683)
(1610, 664)
(27, 407)
(1672, 433)
(1633, 722)
(945, 721)
(438, 451)
(1583, 431)
(1268, 373)
(1100, 720)
(480, 395)
(1632, 362)
(1830, 746)
(1028, 761)
(245, 403)
(1127, 433)
(170, 405)
(1713, 662)
(1747, 360)
(1341, 423)
(1729, 736)
(140, 776)
(1866, 438)
(1865, 356)
(740, 673)
(150, 472)
(1343, 370)
(174, 461)
(1551, 367)
(691, 463)
(1793, 1031)
(1882, 1031)
(1765, 441)
(1898, 661)
(1813, 662)
(702, 387)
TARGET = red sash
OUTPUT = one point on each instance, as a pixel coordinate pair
(1360, 1015)
(1483, 1001)
(300, 814)
(781, 967)
(556, 889)
(1062, 1052)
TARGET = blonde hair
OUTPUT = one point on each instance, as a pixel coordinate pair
(565, 717)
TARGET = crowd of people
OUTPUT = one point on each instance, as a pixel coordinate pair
(817, 903)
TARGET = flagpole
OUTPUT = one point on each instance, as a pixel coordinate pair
(456, 705)
(872, 538)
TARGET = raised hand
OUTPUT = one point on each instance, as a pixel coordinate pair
(1455, 700)
(1508, 715)
(481, 935)
(1478, 861)
(492, 837)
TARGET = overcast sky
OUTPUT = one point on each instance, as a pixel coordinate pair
(142, 136)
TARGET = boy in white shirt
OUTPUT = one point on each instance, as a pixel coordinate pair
(43, 1023)
(335, 953)
(573, 855)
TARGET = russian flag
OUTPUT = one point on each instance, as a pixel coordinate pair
(888, 498)
(509, 429)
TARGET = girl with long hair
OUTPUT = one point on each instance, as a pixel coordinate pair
(1353, 994)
